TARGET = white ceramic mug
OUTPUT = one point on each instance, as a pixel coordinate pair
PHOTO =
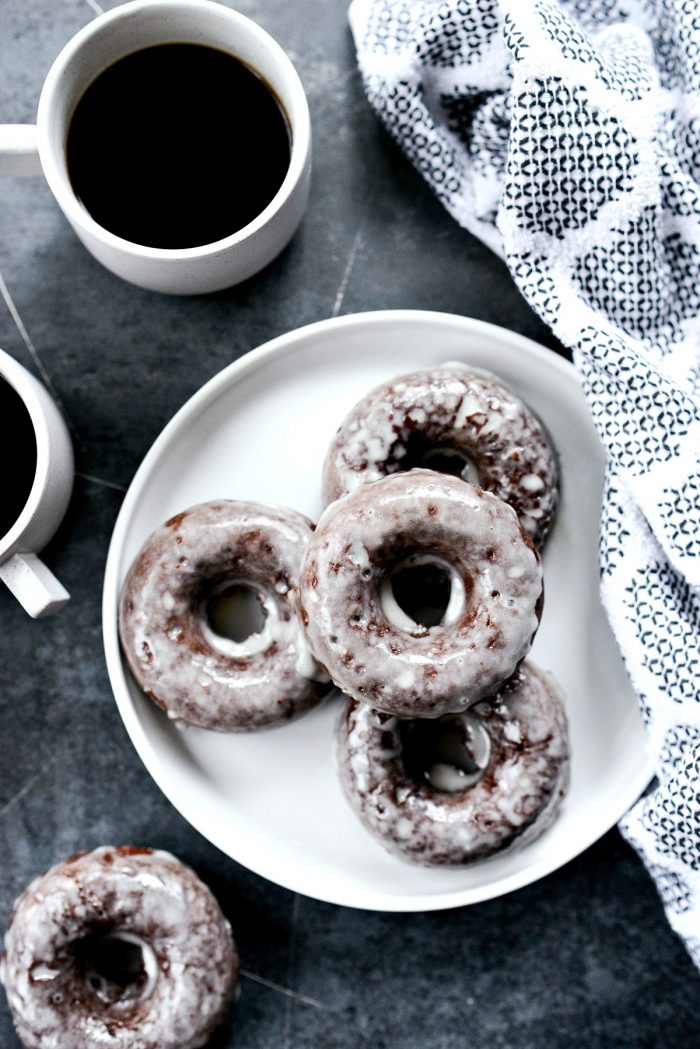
(26, 576)
(25, 149)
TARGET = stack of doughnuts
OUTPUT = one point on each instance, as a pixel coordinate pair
(417, 595)
(452, 747)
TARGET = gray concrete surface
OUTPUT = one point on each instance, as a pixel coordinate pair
(582, 959)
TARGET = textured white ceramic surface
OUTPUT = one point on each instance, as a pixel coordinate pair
(30, 580)
(106, 39)
(259, 430)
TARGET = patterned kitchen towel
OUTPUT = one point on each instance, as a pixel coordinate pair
(566, 135)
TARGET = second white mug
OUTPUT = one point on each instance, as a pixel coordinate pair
(46, 491)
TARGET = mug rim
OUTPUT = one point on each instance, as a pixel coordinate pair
(56, 172)
(25, 386)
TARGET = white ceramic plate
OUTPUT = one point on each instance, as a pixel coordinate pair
(272, 801)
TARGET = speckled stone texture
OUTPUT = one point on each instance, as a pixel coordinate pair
(583, 959)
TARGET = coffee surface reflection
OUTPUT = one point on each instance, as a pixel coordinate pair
(19, 441)
(177, 146)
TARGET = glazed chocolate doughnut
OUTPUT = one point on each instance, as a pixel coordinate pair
(372, 648)
(119, 947)
(177, 592)
(457, 420)
(461, 788)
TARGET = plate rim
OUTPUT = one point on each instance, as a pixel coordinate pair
(279, 346)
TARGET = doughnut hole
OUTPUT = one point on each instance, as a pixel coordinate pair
(235, 611)
(422, 591)
(424, 454)
(448, 754)
(115, 968)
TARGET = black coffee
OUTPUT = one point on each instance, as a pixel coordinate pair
(176, 146)
(18, 440)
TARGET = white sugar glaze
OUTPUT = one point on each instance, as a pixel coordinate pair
(139, 896)
(512, 802)
(460, 409)
(388, 661)
(195, 674)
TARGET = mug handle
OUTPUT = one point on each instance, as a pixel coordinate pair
(19, 152)
(34, 585)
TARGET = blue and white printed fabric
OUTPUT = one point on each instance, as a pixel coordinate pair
(566, 135)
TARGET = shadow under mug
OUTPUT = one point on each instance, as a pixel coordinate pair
(35, 587)
(26, 149)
